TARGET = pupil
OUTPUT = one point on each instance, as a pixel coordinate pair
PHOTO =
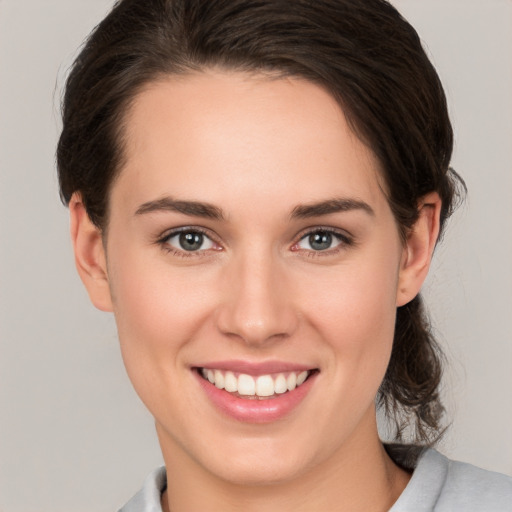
(320, 241)
(191, 241)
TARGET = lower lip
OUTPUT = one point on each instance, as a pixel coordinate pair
(256, 411)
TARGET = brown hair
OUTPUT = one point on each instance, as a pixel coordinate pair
(361, 51)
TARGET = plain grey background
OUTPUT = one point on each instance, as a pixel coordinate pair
(73, 434)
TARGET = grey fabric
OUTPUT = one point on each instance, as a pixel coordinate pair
(442, 485)
(437, 485)
(148, 498)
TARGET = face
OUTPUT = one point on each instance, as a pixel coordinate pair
(250, 243)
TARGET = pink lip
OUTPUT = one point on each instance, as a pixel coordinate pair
(253, 368)
(256, 411)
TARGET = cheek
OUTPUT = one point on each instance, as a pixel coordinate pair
(155, 306)
(354, 310)
(356, 298)
(159, 313)
(158, 310)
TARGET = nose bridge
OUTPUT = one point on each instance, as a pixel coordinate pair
(257, 306)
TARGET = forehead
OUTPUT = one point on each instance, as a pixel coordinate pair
(225, 135)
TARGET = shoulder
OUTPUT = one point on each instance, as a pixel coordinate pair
(472, 488)
(148, 498)
(439, 484)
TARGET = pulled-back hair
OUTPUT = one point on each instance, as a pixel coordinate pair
(361, 51)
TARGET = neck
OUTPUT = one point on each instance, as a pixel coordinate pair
(359, 476)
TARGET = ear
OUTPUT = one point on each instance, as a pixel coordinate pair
(418, 249)
(90, 259)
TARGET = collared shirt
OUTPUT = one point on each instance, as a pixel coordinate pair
(437, 484)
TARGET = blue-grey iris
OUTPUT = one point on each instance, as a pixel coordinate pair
(191, 241)
(320, 241)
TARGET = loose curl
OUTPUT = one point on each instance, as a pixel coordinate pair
(361, 51)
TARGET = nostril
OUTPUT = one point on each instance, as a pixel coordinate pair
(268, 328)
(255, 306)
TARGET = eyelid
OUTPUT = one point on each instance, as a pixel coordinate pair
(344, 236)
(346, 239)
(163, 238)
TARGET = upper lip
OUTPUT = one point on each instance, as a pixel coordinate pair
(255, 368)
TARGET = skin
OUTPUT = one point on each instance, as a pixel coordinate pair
(257, 148)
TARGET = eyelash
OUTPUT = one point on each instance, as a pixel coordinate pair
(344, 239)
(163, 242)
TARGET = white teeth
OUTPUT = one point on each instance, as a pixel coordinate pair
(219, 379)
(301, 378)
(291, 381)
(261, 386)
(230, 382)
(264, 385)
(246, 385)
(280, 384)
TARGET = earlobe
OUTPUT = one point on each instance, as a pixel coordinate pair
(419, 248)
(90, 259)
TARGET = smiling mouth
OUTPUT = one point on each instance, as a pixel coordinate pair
(262, 387)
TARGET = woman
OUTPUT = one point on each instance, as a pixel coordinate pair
(256, 190)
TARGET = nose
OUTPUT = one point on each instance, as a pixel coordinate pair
(257, 305)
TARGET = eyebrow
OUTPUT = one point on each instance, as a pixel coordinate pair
(193, 208)
(330, 206)
(209, 211)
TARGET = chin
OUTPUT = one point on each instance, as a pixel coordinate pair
(258, 471)
(262, 461)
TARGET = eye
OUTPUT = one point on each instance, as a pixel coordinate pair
(189, 240)
(321, 240)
